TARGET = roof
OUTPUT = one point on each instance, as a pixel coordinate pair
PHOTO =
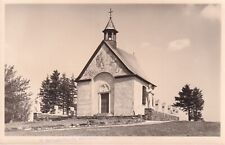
(131, 62)
(127, 59)
(110, 26)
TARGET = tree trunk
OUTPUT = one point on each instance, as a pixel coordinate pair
(189, 115)
(63, 105)
(67, 110)
(63, 108)
(13, 113)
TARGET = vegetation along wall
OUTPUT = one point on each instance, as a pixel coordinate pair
(151, 114)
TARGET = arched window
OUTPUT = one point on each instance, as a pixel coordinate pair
(104, 88)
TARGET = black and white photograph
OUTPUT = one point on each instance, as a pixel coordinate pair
(111, 69)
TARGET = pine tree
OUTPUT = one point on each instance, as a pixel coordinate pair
(45, 95)
(198, 103)
(54, 92)
(73, 92)
(58, 91)
(67, 91)
(64, 93)
(50, 93)
(190, 101)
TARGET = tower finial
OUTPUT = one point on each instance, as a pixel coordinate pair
(110, 13)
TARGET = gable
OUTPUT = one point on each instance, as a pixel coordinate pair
(103, 60)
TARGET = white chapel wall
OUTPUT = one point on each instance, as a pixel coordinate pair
(84, 98)
(124, 91)
(138, 106)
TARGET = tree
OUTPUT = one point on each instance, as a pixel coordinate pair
(49, 92)
(198, 103)
(54, 90)
(73, 93)
(65, 93)
(57, 90)
(45, 94)
(190, 101)
(17, 101)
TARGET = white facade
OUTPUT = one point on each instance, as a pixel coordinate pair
(125, 96)
(111, 83)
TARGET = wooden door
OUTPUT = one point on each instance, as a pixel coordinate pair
(105, 103)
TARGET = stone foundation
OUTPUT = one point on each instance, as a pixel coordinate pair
(110, 117)
(151, 114)
(46, 116)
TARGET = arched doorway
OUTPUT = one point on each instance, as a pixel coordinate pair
(103, 94)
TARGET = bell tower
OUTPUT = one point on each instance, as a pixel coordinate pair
(110, 31)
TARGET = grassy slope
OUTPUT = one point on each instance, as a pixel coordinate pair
(182, 128)
(69, 122)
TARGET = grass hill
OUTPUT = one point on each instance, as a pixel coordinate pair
(174, 128)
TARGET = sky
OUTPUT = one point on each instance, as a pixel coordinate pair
(175, 44)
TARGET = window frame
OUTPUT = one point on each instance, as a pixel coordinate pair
(144, 97)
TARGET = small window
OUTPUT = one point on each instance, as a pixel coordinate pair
(144, 95)
(110, 36)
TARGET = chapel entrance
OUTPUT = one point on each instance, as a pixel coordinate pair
(105, 103)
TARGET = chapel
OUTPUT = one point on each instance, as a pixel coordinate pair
(112, 83)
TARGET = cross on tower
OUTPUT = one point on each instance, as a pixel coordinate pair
(110, 13)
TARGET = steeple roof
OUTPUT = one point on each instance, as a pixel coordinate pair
(110, 25)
